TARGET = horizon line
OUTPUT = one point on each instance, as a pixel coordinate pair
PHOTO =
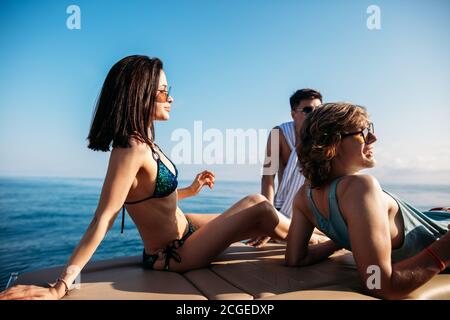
(2, 175)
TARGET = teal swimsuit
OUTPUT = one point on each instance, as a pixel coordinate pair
(166, 183)
(420, 228)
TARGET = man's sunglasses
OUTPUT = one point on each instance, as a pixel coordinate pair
(305, 110)
(364, 133)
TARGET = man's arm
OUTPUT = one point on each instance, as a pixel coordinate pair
(269, 169)
(275, 162)
(268, 187)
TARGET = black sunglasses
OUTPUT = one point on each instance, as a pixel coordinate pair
(305, 110)
(365, 133)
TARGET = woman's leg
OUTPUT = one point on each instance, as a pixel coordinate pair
(201, 219)
(231, 226)
(198, 220)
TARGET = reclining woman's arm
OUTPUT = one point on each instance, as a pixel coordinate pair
(123, 166)
(369, 229)
(298, 252)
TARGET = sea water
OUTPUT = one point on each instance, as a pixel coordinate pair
(42, 219)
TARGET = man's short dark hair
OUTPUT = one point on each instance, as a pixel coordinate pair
(304, 94)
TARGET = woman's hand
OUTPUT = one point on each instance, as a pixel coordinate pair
(258, 242)
(203, 178)
(22, 292)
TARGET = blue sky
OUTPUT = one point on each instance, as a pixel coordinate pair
(232, 64)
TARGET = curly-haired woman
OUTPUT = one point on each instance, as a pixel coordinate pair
(408, 246)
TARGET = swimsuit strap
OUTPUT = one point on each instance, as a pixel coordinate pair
(334, 227)
(311, 201)
(176, 170)
(335, 215)
(321, 220)
(338, 227)
(155, 154)
(149, 260)
(123, 218)
(171, 252)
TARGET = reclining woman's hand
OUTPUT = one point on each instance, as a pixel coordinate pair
(23, 292)
(203, 178)
(258, 242)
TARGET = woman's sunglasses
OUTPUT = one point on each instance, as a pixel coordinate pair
(163, 95)
(365, 133)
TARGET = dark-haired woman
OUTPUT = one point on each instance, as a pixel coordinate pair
(141, 178)
(391, 240)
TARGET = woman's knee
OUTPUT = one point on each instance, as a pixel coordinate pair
(255, 198)
(265, 213)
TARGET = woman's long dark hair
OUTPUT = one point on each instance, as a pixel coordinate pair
(126, 104)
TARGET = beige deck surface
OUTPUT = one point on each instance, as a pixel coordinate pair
(240, 272)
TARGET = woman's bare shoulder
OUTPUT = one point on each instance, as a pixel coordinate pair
(360, 193)
(136, 146)
(136, 153)
(358, 184)
(300, 198)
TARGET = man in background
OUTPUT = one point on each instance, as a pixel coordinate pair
(290, 178)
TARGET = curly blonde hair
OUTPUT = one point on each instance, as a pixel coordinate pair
(320, 135)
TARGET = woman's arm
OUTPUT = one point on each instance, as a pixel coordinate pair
(184, 193)
(203, 178)
(123, 166)
(368, 223)
(298, 252)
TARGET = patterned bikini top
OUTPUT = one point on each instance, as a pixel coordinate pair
(166, 182)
